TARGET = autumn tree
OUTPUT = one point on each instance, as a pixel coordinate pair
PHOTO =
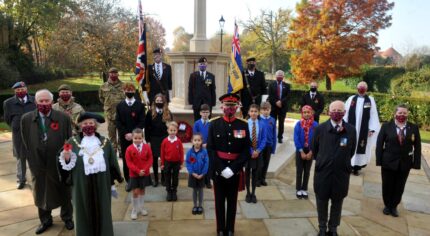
(181, 40)
(215, 42)
(333, 38)
(270, 30)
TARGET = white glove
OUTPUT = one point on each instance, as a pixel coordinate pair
(113, 191)
(145, 96)
(170, 94)
(227, 173)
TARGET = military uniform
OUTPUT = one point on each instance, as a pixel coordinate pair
(110, 95)
(228, 146)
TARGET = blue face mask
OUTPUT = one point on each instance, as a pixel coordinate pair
(202, 67)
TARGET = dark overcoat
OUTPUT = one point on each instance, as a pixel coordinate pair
(48, 191)
(332, 152)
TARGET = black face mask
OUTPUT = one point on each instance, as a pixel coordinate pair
(129, 95)
(159, 105)
(313, 89)
(251, 66)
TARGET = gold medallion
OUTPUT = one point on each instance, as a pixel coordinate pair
(413, 137)
(91, 160)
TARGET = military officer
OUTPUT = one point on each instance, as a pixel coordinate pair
(228, 146)
(254, 86)
(14, 108)
(201, 88)
(110, 94)
(66, 103)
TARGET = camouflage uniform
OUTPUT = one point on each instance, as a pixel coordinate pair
(72, 109)
(110, 95)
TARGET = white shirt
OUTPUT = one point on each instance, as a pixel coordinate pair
(130, 102)
(313, 94)
(334, 124)
(158, 110)
(251, 73)
(138, 148)
(90, 148)
(160, 68)
(172, 140)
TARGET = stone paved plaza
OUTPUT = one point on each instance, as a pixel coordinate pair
(277, 213)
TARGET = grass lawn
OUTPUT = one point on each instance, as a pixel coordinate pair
(84, 83)
(425, 135)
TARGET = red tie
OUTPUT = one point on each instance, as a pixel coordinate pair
(401, 135)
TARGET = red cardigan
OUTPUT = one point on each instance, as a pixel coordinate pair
(138, 161)
(173, 152)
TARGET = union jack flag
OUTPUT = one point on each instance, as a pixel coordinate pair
(141, 60)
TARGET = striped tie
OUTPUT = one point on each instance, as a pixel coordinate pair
(254, 136)
(157, 71)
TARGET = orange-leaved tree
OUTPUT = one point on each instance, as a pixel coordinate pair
(334, 38)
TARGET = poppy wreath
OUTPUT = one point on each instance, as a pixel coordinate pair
(67, 147)
(185, 135)
(192, 160)
(54, 126)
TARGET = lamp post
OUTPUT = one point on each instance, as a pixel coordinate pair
(221, 25)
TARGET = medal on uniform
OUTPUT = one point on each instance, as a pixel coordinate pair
(208, 82)
(239, 133)
(343, 142)
(316, 101)
(413, 138)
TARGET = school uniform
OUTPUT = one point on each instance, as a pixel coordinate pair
(172, 157)
(397, 154)
(130, 114)
(198, 163)
(155, 133)
(139, 157)
(270, 124)
(302, 143)
(201, 126)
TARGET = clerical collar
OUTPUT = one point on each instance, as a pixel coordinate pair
(172, 140)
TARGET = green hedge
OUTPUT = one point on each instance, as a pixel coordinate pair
(419, 108)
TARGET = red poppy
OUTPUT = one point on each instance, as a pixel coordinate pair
(192, 160)
(54, 126)
(133, 114)
(67, 147)
(352, 103)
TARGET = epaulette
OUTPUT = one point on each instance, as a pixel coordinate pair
(214, 118)
(244, 120)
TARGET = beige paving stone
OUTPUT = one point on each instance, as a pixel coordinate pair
(372, 177)
(253, 210)
(356, 180)
(19, 228)
(8, 168)
(288, 192)
(418, 222)
(355, 192)
(17, 215)
(290, 208)
(343, 229)
(182, 211)
(8, 182)
(264, 193)
(418, 232)
(372, 210)
(209, 210)
(289, 227)
(419, 179)
(55, 230)
(182, 228)
(250, 227)
(156, 211)
(15, 199)
(366, 227)
(352, 205)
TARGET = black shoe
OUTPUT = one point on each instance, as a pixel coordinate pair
(248, 198)
(386, 211)
(174, 196)
(253, 198)
(264, 183)
(279, 140)
(127, 187)
(43, 227)
(194, 211)
(230, 233)
(209, 185)
(299, 194)
(356, 172)
(258, 184)
(394, 212)
(322, 233)
(220, 233)
(305, 194)
(155, 184)
(199, 210)
(169, 197)
(20, 186)
(69, 224)
(329, 233)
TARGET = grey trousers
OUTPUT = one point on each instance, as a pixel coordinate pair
(335, 213)
(21, 169)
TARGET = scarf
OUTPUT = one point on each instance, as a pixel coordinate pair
(306, 124)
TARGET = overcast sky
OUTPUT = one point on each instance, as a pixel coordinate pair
(409, 26)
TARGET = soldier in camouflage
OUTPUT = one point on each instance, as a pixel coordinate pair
(110, 94)
(66, 103)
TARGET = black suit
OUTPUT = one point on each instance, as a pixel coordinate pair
(257, 85)
(165, 82)
(201, 90)
(396, 160)
(332, 152)
(127, 119)
(279, 113)
(317, 103)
